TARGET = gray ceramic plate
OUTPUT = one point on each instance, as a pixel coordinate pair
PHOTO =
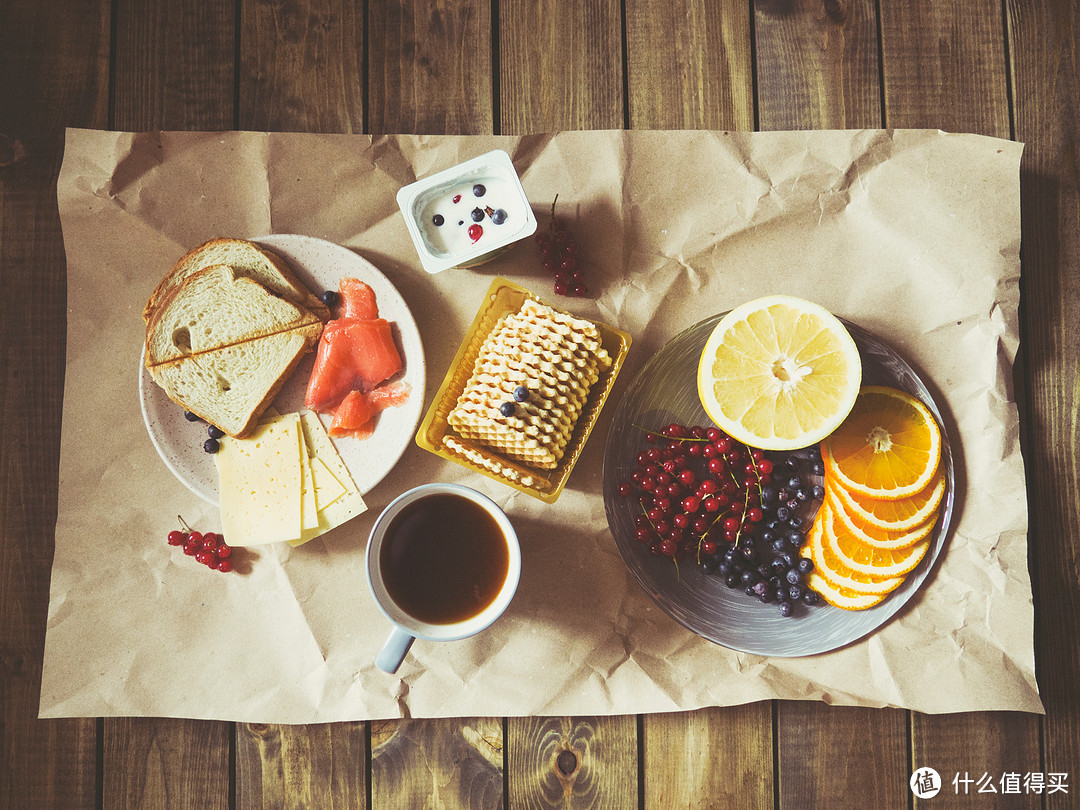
(320, 265)
(665, 391)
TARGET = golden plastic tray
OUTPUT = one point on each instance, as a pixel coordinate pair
(502, 298)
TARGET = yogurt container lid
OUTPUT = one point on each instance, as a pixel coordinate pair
(466, 213)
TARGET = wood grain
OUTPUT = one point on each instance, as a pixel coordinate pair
(174, 65)
(1044, 39)
(817, 64)
(560, 65)
(721, 757)
(829, 755)
(572, 762)
(323, 766)
(53, 73)
(160, 764)
(454, 763)
(429, 67)
(301, 66)
(944, 66)
(689, 64)
(976, 745)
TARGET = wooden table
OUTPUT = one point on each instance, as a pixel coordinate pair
(997, 67)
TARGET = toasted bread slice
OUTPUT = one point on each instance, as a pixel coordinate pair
(248, 259)
(215, 308)
(231, 386)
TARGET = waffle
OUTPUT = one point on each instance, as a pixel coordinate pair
(557, 358)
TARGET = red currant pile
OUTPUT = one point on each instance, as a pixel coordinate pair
(210, 548)
(560, 256)
(702, 495)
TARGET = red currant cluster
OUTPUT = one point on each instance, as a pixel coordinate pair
(210, 548)
(696, 487)
(560, 256)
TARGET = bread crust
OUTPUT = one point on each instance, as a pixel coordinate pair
(196, 259)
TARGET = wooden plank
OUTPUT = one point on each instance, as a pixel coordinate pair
(572, 762)
(159, 765)
(689, 64)
(53, 73)
(445, 763)
(1045, 53)
(817, 65)
(996, 750)
(429, 67)
(944, 66)
(301, 66)
(720, 757)
(828, 755)
(560, 65)
(174, 69)
(322, 766)
(174, 66)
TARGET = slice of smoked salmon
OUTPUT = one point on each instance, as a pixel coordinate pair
(357, 300)
(352, 355)
(355, 416)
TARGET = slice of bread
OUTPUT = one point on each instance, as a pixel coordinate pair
(215, 308)
(247, 259)
(231, 386)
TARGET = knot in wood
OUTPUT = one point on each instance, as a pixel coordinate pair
(835, 10)
(567, 762)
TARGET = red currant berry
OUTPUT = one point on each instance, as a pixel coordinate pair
(223, 550)
(225, 566)
(177, 537)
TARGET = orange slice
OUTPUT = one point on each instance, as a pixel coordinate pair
(842, 597)
(888, 447)
(894, 516)
(779, 373)
(872, 535)
(879, 562)
(833, 569)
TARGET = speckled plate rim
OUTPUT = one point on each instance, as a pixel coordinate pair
(822, 628)
(319, 264)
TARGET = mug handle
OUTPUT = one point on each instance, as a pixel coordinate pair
(394, 650)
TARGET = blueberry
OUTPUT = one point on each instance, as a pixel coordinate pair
(818, 491)
(507, 409)
(211, 446)
(795, 593)
(708, 565)
(805, 566)
(731, 580)
(479, 190)
(785, 608)
(795, 537)
(794, 482)
(749, 590)
(214, 432)
(796, 522)
(783, 512)
(477, 214)
(191, 417)
(329, 298)
(749, 577)
(521, 393)
(498, 216)
(811, 598)
(793, 576)
(437, 220)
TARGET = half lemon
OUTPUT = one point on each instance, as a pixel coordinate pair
(779, 373)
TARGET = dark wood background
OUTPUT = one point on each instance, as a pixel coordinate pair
(1005, 68)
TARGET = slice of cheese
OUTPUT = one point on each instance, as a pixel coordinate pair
(285, 483)
(334, 508)
(260, 484)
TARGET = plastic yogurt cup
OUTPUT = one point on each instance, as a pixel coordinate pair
(468, 214)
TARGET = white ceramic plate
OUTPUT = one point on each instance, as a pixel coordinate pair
(664, 392)
(319, 264)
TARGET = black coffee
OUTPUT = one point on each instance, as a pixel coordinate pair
(444, 559)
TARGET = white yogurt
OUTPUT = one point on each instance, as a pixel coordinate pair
(467, 214)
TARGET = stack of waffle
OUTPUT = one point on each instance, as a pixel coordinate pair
(529, 384)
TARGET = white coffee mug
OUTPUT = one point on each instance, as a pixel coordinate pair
(407, 627)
